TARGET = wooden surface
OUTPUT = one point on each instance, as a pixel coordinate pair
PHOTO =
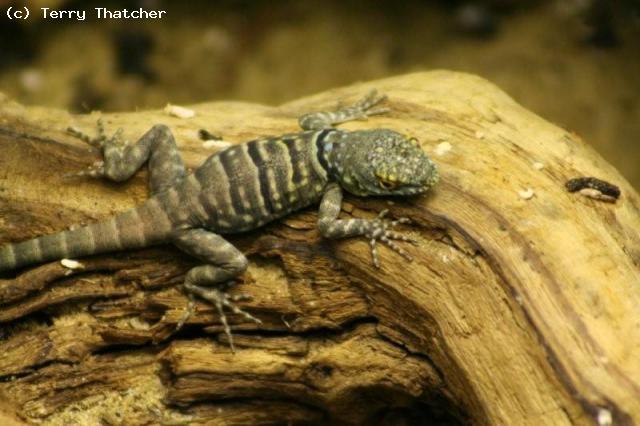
(514, 311)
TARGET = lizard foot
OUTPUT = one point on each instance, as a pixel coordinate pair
(380, 231)
(365, 107)
(220, 300)
(100, 141)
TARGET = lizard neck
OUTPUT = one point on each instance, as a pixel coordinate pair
(329, 153)
(346, 155)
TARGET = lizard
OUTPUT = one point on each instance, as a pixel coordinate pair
(241, 188)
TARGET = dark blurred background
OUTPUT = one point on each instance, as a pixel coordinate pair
(574, 62)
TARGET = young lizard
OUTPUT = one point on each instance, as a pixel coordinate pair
(239, 189)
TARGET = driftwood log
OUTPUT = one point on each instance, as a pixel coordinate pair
(522, 304)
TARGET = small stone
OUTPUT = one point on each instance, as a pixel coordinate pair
(71, 264)
(442, 148)
(604, 417)
(179, 111)
(526, 194)
(479, 134)
(538, 165)
(216, 144)
(597, 195)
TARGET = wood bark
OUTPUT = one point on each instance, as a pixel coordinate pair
(517, 309)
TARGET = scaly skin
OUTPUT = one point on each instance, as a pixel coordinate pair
(239, 189)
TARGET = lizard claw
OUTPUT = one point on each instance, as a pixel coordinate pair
(380, 231)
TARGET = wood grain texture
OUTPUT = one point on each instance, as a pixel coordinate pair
(514, 311)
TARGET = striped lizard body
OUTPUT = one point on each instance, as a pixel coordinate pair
(239, 189)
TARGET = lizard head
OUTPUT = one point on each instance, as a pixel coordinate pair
(382, 162)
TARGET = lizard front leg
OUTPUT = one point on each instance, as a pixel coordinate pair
(224, 262)
(122, 160)
(375, 230)
(360, 110)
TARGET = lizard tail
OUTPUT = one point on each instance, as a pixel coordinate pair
(134, 228)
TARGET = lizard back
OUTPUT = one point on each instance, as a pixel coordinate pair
(250, 184)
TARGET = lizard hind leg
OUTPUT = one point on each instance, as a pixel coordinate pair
(209, 282)
(121, 160)
(360, 110)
